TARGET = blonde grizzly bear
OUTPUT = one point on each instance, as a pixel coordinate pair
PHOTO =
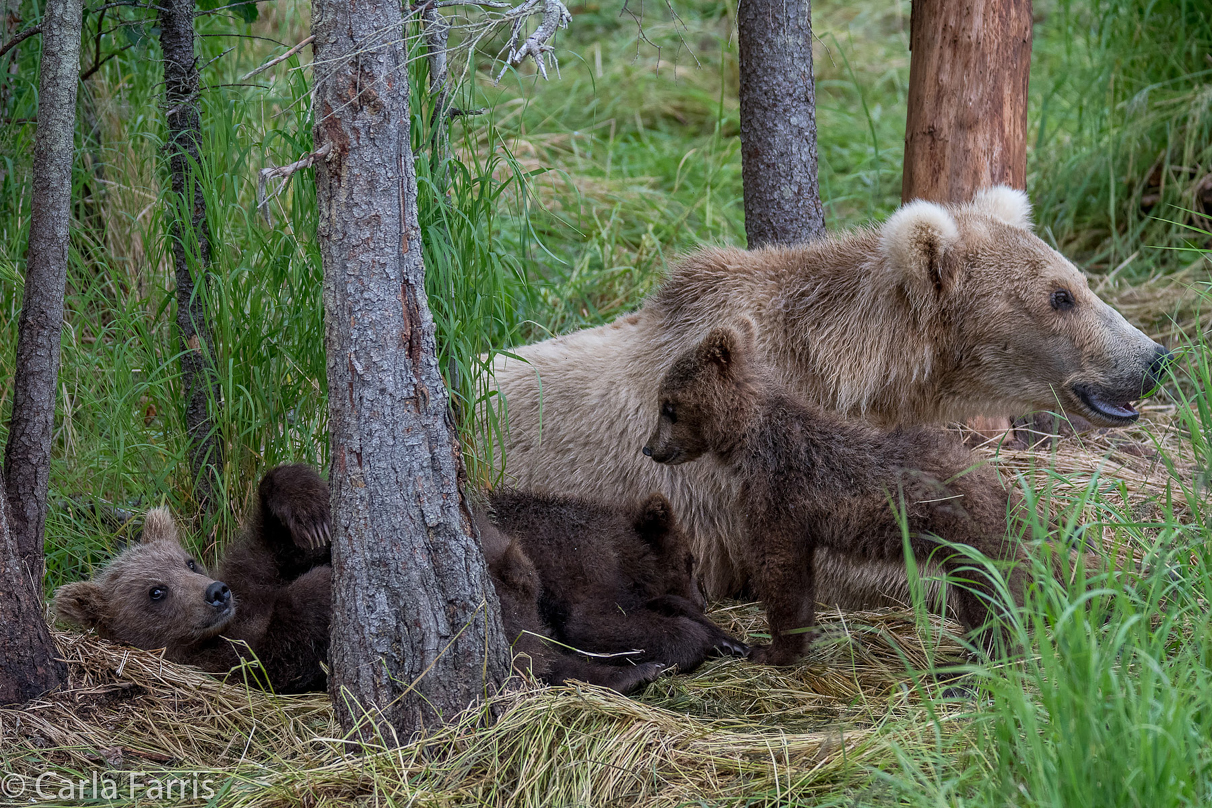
(812, 480)
(940, 314)
(272, 600)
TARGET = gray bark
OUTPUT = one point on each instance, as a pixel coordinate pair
(416, 632)
(27, 453)
(778, 122)
(190, 247)
(29, 666)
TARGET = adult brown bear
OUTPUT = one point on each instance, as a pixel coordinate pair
(940, 314)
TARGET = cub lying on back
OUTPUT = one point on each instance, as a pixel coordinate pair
(613, 581)
(808, 479)
(272, 598)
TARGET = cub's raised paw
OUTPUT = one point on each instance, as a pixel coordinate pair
(295, 507)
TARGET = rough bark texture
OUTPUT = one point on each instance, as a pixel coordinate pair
(28, 660)
(778, 122)
(191, 250)
(967, 125)
(967, 122)
(416, 632)
(27, 453)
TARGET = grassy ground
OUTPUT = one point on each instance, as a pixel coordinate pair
(567, 199)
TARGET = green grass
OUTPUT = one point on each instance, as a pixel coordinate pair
(564, 202)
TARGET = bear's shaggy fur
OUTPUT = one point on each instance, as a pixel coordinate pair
(811, 480)
(518, 589)
(614, 582)
(940, 314)
(272, 598)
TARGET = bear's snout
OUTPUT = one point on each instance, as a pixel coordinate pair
(218, 595)
(1157, 368)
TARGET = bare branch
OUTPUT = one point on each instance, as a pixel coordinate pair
(18, 38)
(538, 45)
(283, 173)
(279, 59)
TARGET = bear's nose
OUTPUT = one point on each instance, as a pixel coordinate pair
(1161, 360)
(647, 450)
(217, 594)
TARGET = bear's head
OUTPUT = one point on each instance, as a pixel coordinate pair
(674, 559)
(705, 397)
(152, 595)
(1024, 328)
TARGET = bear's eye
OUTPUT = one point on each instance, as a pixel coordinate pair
(1062, 300)
(192, 566)
(667, 411)
(156, 593)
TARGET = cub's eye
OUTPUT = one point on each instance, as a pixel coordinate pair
(156, 593)
(192, 566)
(1062, 300)
(667, 411)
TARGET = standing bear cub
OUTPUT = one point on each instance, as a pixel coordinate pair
(272, 599)
(810, 480)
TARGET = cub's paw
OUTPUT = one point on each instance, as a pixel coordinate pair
(770, 655)
(640, 675)
(294, 502)
(727, 646)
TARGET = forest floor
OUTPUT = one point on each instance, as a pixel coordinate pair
(572, 196)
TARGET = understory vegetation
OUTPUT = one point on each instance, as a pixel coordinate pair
(558, 206)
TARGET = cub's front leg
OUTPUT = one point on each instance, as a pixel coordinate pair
(786, 583)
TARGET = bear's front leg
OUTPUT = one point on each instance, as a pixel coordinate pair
(293, 520)
(786, 584)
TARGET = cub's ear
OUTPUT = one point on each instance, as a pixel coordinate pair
(655, 520)
(81, 604)
(159, 525)
(1005, 204)
(720, 348)
(917, 241)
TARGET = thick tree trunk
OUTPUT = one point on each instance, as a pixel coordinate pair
(27, 454)
(416, 632)
(190, 245)
(778, 122)
(967, 125)
(28, 663)
(967, 122)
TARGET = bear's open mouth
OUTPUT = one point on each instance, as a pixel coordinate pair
(1109, 412)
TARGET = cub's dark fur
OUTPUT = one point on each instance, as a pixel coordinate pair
(272, 595)
(810, 479)
(613, 581)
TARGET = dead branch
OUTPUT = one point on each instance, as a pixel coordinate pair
(284, 174)
(279, 59)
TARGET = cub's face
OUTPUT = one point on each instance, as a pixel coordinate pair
(674, 560)
(695, 395)
(152, 595)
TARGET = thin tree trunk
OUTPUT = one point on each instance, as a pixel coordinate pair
(778, 122)
(967, 124)
(28, 663)
(416, 633)
(967, 121)
(191, 248)
(27, 453)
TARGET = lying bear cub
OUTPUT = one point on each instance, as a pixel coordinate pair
(272, 599)
(616, 584)
(809, 479)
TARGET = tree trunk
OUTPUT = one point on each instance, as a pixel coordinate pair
(778, 122)
(967, 121)
(967, 125)
(190, 247)
(27, 453)
(28, 663)
(416, 632)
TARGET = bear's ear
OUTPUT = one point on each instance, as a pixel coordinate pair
(719, 348)
(81, 604)
(159, 525)
(916, 239)
(654, 520)
(1005, 204)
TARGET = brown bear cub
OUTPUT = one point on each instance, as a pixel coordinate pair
(809, 479)
(518, 586)
(613, 582)
(272, 598)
